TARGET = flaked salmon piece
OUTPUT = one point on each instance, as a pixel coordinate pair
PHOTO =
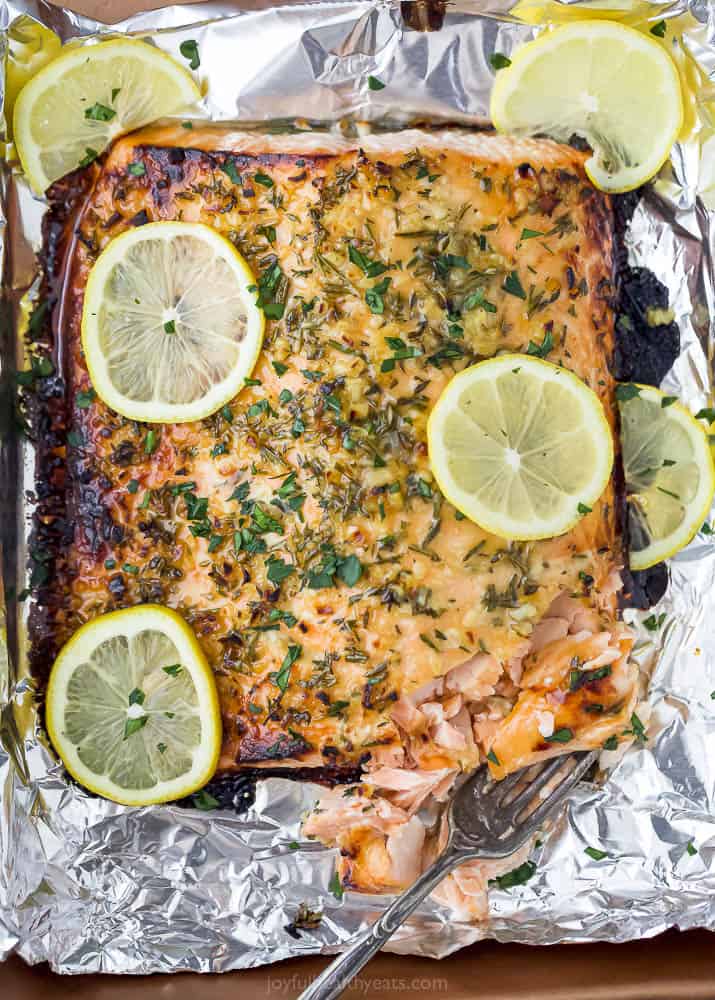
(404, 848)
(476, 678)
(340, 809)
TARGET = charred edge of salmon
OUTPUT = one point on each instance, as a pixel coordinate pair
(46, 409)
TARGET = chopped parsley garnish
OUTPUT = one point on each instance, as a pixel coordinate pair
(90, 155)
(132, 486)
(584, 508)
(241, 492)
(190, 50)
(277, 570)
(593, 852)
(99, 113)
(170, 326)
(337, 707)
(447, 262)
(264, 180)
(204, 800)
(400, 352)
(215, 542)
(136, 697)
(372, 268)
(499, 60)
(335, 886)
(517, 876)
(279, 368)
(229, 168)
(136, 169)
(476, 300)
(668, 401)
(560, 736)
(626, 391)
(270, 288)
(278, 615)
(259, 408)
(173, 670)
(375, 84)
(530, 234)
(374, 296)
(282, 677)
(513, 286)
(611, 743)
(132, 726)
(262, 522)
(492, 758)
(638, 729)
(85, 399)
(151, 442)
(334, 568)
(652, 623)
(691, 849)
(541, 350)
(707, 413)
(659, 29)
(579, 678)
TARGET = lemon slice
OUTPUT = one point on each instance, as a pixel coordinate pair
(670, 477)
(75, 105)
(520, 446)
(158, 347)
(132, 708)
(611, 84)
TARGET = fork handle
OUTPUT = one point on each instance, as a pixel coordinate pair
(333, 980)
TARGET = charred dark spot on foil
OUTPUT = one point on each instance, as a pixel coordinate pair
(643, 588)
(643, 353)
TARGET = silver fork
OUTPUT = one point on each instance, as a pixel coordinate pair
(487, 819)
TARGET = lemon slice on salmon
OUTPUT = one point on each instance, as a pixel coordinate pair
(521, 446)
(670, 476)
(75, 105)
(132, 707)
(159, 348)
(614, 86)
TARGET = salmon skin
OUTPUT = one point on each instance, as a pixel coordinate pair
(353, 619)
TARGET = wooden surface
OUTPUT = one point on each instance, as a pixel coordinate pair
(672, 967)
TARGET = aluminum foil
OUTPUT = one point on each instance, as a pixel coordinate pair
(91, 886)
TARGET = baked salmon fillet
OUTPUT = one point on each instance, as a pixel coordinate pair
(354, 619)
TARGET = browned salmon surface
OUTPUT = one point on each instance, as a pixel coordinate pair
(299, 530)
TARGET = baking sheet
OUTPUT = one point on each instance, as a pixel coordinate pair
(89, 885)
